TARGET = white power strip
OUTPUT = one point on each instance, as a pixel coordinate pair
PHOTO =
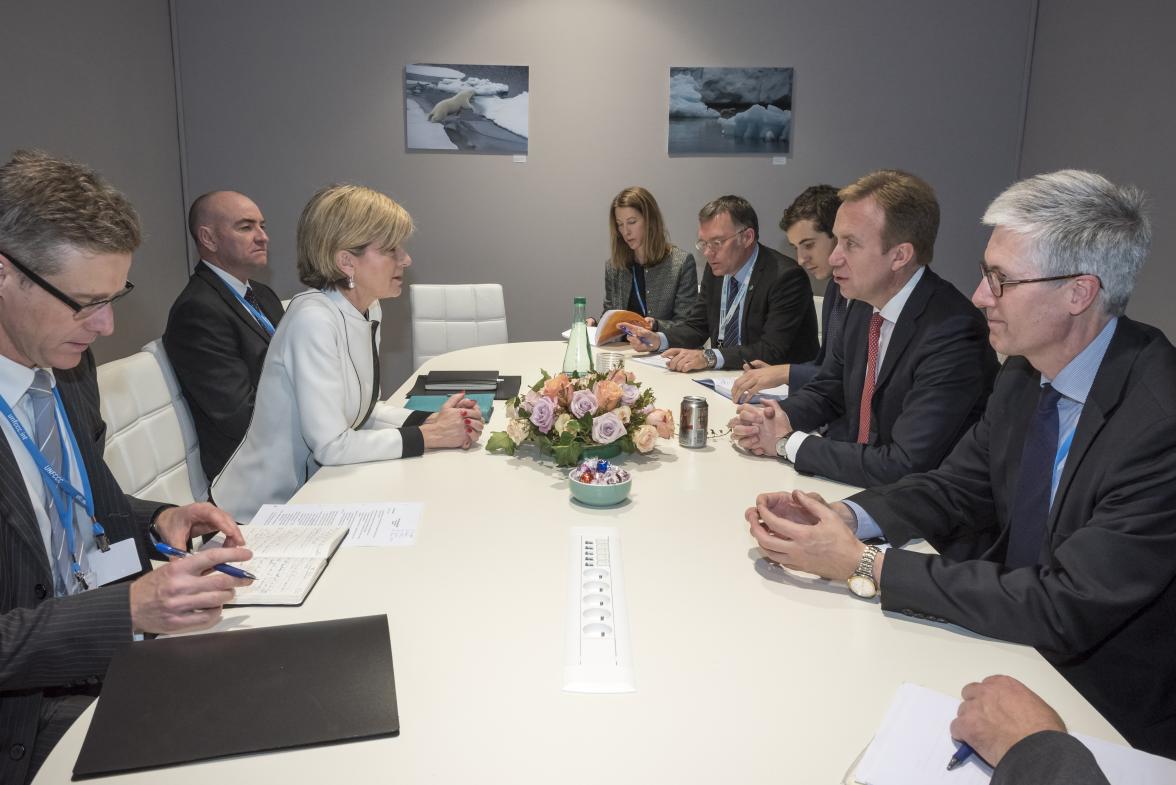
(597, 656)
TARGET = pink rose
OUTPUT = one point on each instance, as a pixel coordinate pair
(645, 438)
(618, 376)
(529, 401)
(518, 430)
(559, 389)
(583, 402)
(543, 414)
(607, 428)
(663, 420)
(608, 395)
(624, 412)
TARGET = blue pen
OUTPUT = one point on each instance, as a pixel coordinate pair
(227, 569)
(641, 338)
(962, 753)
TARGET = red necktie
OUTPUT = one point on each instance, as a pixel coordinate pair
(868, 387)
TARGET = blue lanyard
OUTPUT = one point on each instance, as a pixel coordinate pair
(637, 291)
(265, 323)
(58, 485)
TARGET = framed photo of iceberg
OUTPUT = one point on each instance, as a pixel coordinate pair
(466, 108)
(730, 111)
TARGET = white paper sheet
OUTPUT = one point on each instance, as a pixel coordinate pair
(381, 524)
(913, 745)
(656, 360)
(724, 384)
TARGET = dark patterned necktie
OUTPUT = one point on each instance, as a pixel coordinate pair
(251, 298)
(731, 336)
(1030, 508)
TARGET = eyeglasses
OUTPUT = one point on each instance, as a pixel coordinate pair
(715, 245)
(996, 283)
(81, 310)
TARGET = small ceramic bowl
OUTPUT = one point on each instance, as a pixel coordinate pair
(598, 495)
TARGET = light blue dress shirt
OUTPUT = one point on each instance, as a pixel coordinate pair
(742, 276)
(1074, 383)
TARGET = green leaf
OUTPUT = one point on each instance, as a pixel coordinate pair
(567, 454)
(627, 445)
(499, 441)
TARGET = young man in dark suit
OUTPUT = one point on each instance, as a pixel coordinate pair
(754, 303)
(913, 368)
(1053, 514)
(220, 326)
(808, 224)
(73, 593)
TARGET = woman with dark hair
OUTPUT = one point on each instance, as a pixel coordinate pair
(645, 273)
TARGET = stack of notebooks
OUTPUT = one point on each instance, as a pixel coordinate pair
(442, 384)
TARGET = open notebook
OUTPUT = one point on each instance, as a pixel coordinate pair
(287, 561)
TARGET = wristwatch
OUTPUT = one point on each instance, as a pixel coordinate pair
(711, 359)
(862, 581)
(781, 445)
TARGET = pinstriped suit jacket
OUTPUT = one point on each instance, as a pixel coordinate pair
(671, 286)
(47, 642)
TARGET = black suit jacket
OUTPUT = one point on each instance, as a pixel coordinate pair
(801, 374)
(47, 642)
(1048, 758)
(1101, 606)
(933, 384)
(217, 348)
(779, 320)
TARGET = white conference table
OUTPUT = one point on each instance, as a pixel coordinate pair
(745, 673)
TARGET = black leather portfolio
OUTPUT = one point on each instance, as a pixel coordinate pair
(505, 389)
(177, 700)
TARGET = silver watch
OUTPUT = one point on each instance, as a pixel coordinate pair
(862, 581)
(711, 359)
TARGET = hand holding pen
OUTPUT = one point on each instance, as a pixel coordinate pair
(996, 714)
(641, 338)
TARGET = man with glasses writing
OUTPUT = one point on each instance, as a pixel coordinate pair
(1054, 514)
(755, 303)
(73, 548)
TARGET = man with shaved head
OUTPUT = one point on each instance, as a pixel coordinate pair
(219, 328)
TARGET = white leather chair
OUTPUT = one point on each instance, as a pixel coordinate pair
(445, 318)
(819, 302)
(145, 440)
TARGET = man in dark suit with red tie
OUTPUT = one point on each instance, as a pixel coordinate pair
(912, 369)
(220, 326)
(1054, 514)
(74, 587)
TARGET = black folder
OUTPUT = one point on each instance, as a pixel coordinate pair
(506, 389)
(177, 700)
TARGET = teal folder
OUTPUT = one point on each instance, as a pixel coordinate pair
(433, 403)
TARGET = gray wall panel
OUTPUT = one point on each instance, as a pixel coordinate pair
(94, 82)
(282, 97)
(1101, 99)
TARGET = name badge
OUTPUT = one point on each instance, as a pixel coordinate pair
(109, 566)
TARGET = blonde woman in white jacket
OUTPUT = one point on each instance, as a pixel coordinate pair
(317, 402)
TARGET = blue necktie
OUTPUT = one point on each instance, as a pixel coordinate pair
(731, 335)
(1034, 480)
(49, 443)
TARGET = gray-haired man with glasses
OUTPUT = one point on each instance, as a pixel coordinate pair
(754, 304)
(75, 585)
(1054, 514)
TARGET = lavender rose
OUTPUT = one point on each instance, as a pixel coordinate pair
(543, 413)
(629, 394)
(607, 428)
(583, 402)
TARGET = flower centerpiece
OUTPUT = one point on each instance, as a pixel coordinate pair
(593, 413)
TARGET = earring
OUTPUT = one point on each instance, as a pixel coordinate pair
(350, 282)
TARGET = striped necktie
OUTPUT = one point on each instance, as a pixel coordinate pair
(48, 439)
(731, 336)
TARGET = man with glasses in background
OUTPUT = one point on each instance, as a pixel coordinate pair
(74, 548)
(1054, 514)
(754, 304)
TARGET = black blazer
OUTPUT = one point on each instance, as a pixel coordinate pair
(801, 374)
(1101, 606)
(933, 384)
(217, 348)
(779, 320)
(47, 642)
(1048, 758)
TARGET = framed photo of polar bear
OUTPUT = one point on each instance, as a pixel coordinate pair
(730, 111)
(466, 108)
